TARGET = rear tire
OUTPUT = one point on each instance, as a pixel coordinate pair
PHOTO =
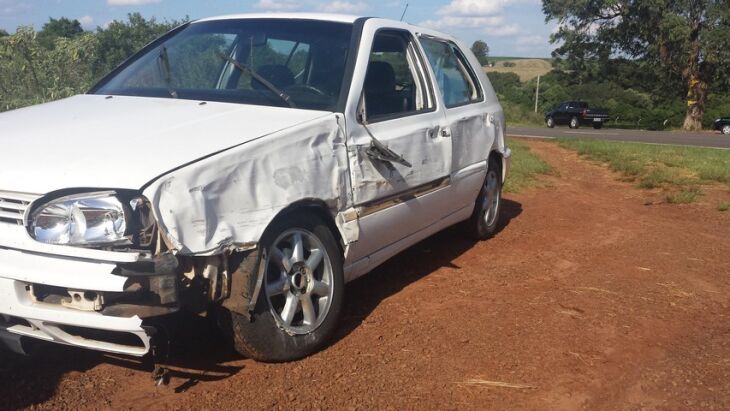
(301, 297)
(574, 123)
(550, 123)
(726, 129)
(485, 219)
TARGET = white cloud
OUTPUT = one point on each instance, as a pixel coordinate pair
(531, 40)
(472, 7)
(278, 5)
(130, 2)
(12, 7)
(339, 6)
(87, 22)
(463, 22)
(503, 30)
(479, 7)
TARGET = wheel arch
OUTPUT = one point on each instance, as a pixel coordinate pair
(247, 276)
(314, 206)
(497, 157)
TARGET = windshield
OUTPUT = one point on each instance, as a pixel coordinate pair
(287, 63)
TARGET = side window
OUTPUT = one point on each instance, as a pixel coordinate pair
(457, 82)
(395, 80)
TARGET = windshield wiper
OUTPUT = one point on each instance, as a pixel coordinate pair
(165, 68)
(244, 68)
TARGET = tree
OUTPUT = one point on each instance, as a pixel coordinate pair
(58, 28)
(683, 42)
(481, 50)
(3, 33)
(121, 39)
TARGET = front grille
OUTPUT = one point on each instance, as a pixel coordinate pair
(13, 206)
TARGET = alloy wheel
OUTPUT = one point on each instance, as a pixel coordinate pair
(299, 280)
(492, 198)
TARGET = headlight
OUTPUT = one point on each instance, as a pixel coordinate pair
(83, 219)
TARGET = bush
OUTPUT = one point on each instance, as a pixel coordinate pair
(37, 67)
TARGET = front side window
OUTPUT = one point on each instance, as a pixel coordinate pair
(395, 80)
(457, 83)
(252, 61)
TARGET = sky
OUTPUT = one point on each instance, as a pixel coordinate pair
(513, 28)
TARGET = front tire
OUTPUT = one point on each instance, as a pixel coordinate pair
(485, 219)
(726, 129)
(301, 296)
(550, 122)
(574, 123)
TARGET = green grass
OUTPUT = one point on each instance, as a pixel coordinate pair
(674, 168)
(724, 207)
(525, 167)
(687, 196)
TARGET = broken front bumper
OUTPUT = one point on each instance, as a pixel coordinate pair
(32, 284)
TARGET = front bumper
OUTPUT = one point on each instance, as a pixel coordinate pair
(24, 315)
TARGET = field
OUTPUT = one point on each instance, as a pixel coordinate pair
(678, 172)
(527, 69)
(594, 294)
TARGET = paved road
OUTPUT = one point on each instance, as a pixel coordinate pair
(702, 139)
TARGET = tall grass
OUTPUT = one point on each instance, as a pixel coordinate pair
(526, 166)
(657, 166)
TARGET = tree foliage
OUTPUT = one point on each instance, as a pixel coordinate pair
(683, 43)
(61, 61)
(56, 29)
(481, 51)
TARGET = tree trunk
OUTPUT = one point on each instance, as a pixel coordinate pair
(696, 98)
(696, 84)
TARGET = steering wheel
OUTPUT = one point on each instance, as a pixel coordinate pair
(306, 87)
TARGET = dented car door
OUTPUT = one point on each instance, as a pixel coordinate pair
(396, 194)
(470, 119)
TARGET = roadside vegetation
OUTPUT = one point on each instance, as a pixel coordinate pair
(632, 97)
(653, 65)
(525, 167)
(679, 170)
(62, 59)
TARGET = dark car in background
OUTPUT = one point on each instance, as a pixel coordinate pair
(575, 114)
(723, 125)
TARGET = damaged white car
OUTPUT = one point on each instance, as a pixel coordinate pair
(247, 165)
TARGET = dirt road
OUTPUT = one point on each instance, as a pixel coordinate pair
(587, 299)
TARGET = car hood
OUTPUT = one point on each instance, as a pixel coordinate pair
(123, 142)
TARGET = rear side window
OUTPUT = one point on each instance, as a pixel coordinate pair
(455, 79)
(395, 82)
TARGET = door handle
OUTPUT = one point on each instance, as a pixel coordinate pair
(445, 132)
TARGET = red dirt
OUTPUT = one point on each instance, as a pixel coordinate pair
(587, 299)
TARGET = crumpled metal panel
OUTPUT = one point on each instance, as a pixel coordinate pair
(227, 200)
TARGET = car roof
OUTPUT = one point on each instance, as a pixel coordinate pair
(340, 18)
(333, 17)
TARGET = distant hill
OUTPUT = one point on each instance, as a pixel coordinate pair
(527, 69)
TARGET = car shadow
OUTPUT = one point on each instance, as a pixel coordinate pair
(419, 261)
(200, 352)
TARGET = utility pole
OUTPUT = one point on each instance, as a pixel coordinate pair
(537, 92)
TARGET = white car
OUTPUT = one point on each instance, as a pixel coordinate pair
(246, 165)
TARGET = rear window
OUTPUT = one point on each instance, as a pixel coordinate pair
(456, 81)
